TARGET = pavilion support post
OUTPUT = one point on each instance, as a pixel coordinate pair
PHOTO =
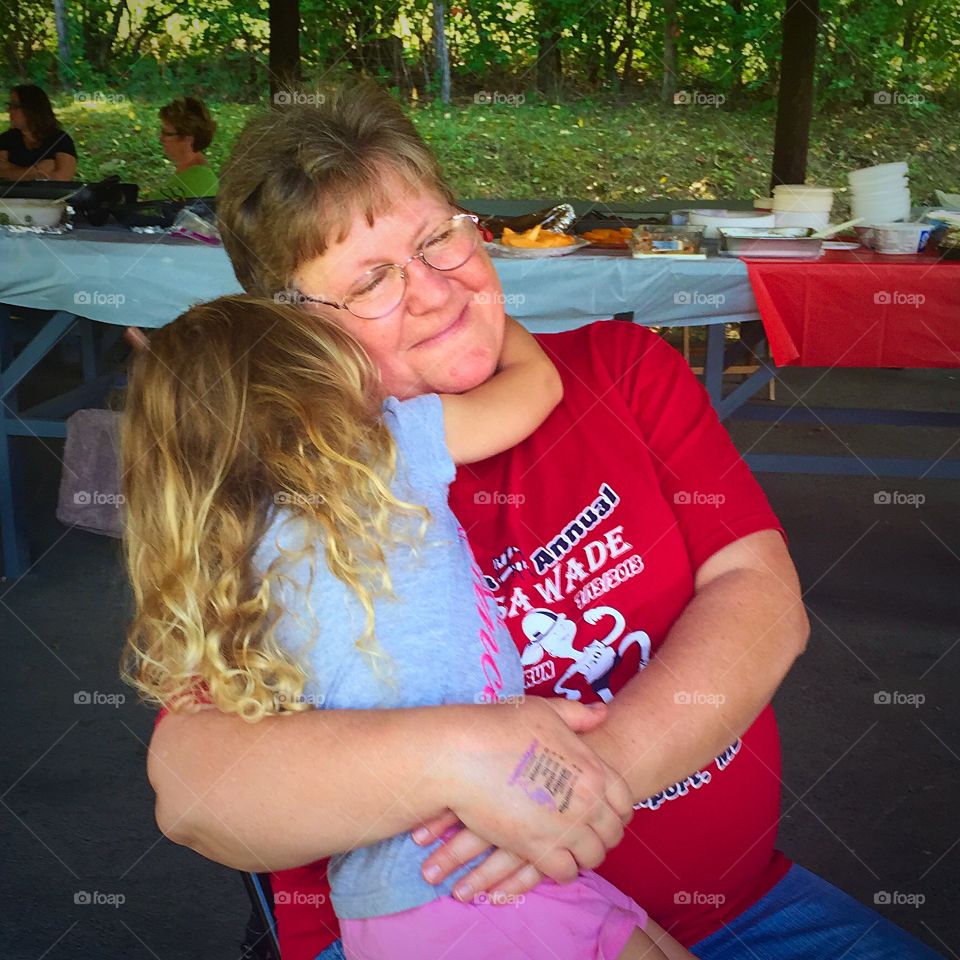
(284, 63)
(801, 24)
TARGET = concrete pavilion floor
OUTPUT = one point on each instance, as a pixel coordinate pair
(870, 790)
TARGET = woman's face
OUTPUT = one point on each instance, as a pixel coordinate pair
(446, 333)
(18, 119)
(175, 146)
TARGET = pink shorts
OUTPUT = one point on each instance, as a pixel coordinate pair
(588, 919)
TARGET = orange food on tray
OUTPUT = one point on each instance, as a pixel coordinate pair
(536, 237)
(608, 236)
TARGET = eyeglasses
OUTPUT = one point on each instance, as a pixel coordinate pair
(379, 291)
(167, 134)
(13, 106)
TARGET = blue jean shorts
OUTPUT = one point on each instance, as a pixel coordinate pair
(802, 918)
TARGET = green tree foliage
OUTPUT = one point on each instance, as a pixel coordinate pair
(565, 49)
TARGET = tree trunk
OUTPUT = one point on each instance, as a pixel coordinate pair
(736, 48)
(284, 62)
(801, 23)
(671, 30)
(440, 50)
(549, 63)
(64, 64)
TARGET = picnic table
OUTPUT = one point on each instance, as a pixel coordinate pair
(94, 282)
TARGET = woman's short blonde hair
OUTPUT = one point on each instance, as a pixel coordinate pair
(300, 172)
(190, 117)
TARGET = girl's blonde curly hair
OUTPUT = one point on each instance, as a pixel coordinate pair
(240, 405)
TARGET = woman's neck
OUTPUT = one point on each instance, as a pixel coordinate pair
(29, 139)
(193, 160)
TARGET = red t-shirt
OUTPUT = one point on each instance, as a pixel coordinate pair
(590, 533)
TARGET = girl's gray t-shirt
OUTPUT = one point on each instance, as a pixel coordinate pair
(443, 634)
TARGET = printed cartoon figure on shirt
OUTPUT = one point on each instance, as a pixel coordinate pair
(588, 678)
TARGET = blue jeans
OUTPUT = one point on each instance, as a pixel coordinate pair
(805, 918)
(802, 918)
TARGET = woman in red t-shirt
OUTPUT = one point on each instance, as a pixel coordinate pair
(635, 559)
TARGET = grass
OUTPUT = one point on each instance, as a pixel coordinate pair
(585, 150)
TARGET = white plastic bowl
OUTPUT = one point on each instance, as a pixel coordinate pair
(888, 183)
(882, 171)
(900, 238)
(881, 211)
(875, 193)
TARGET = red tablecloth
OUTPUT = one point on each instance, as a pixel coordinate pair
(860, 309)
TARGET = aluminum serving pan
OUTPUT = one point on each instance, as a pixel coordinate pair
(779, 242)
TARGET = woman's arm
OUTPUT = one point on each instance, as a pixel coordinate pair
(290, 790)
(42, 170)
(64, 167)
(509, 406)
(735, 642)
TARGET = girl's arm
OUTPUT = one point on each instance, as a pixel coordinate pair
(509, 406)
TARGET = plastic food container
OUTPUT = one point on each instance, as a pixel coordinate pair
(712, 220)
(32, 213)
(814, 219)
(802, 198)
(658, 241)
(900, 237)
(784, 243)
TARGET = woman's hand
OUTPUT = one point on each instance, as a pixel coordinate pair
(527, 784)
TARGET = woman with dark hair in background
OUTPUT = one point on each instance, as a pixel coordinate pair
(36, 146)
(186, 130)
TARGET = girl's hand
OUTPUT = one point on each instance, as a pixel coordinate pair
(503, 874)
(526, 783)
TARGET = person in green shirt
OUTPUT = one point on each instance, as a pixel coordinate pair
(186, 130)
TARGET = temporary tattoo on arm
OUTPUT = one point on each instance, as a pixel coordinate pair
(545, 777)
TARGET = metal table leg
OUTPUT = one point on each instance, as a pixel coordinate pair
(12, 372)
